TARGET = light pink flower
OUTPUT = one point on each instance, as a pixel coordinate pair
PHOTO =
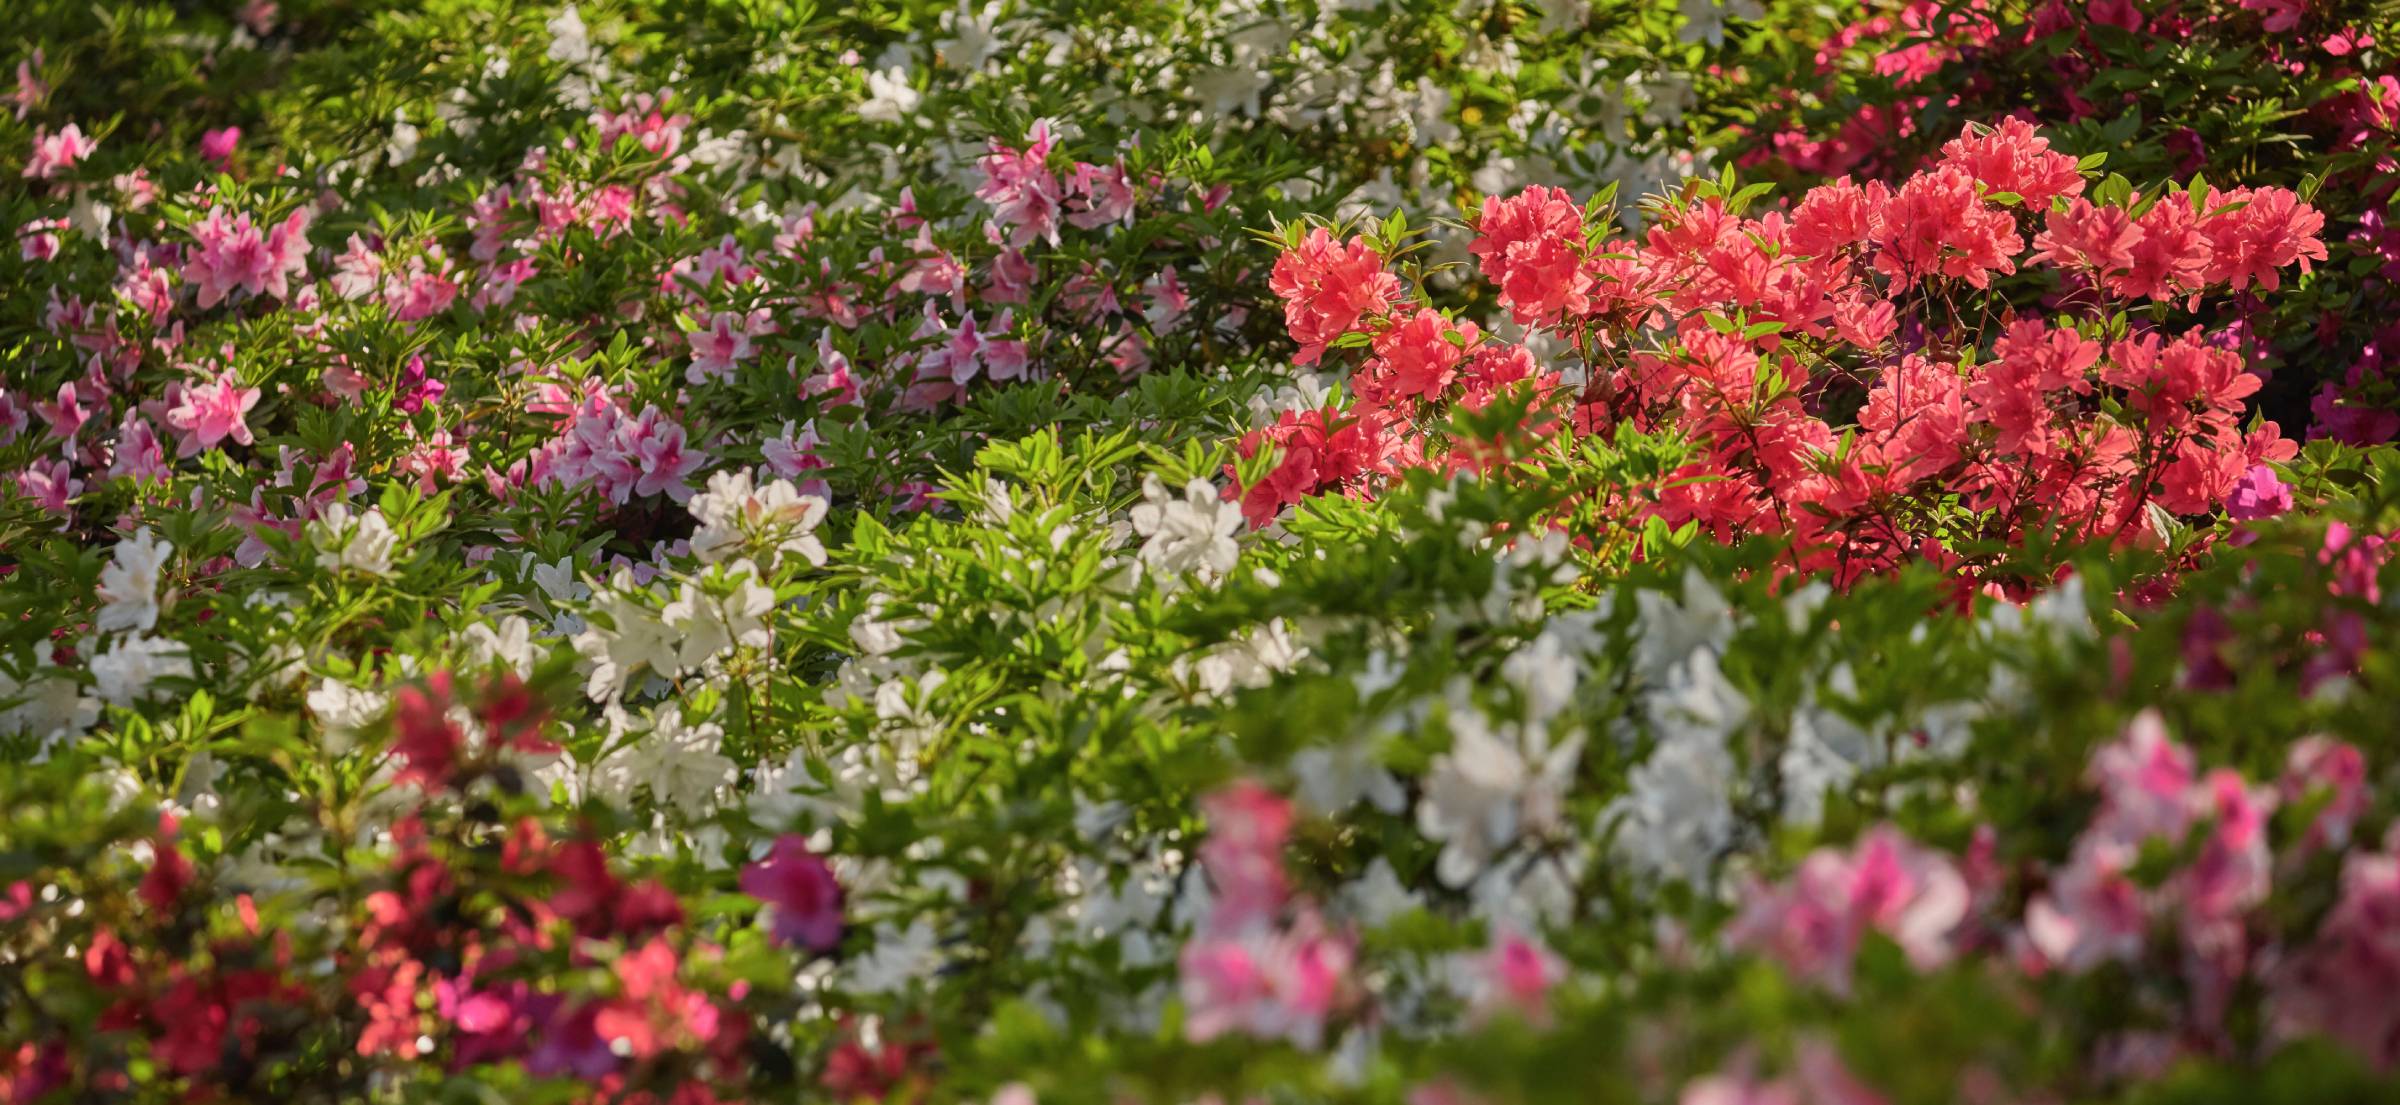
(232, 255)
(1738, 1089)
(2092, 914)
(1024, 194)
(56, 153)
(1885, 884)
(2143, 778)
(30, 89)
(1098, 195)
(1515, 975)
(2340, 771)
(2341, 985)
(1243, 854)
(209, 412)
(719, 348)
(1272, 984)
(138, 452)
(51, 486)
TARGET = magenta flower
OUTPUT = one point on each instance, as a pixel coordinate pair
(217, 146)
(416, 387)
(804, 902)
(2258, 494)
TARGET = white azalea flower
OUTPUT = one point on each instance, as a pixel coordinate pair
(506, 643)
(127, 672)
(890, 98)
(1333, 776)
(1494, 785)
(898, 957)
(707, 624)
(633, 638)
(972, 37)
(1187, 534)
(735, 513)
(342, 711)
(1378, 896)
(361, 543)
(129, 583)
(47, 703)
(681, 763)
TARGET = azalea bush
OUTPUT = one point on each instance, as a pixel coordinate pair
(1972, 432)
(2266, 92)
(735, 552)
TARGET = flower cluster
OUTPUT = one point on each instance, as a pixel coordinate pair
(1887, 82)
(1743, 334)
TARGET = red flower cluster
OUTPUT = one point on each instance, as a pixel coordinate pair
(1972, 426)
(474, 942)
(1328, 287)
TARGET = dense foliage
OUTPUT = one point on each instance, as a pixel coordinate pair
(699, 551)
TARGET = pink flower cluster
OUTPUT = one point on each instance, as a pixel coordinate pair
(1029, 200)
(230, 255)
(1260, 964)
(2200, 919)
(1885, 884)
(615, 454)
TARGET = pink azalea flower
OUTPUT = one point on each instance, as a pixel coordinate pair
(2339, 770)
(1275, 984)
(135, 189)
(1244, 852)
(232, 255)
(1516, 974)
(416, 387)
(720, 348)
(1024, 194)
(417, 293)
(56, 153)
(791, 454)
(1098, 195)
(1885, 884)
(38, 240)
(1732, 1089)
(138, 452)
(209, 412)
(217, 146)
(51, 486)
(2342, 984)
(435, 461)
(65, 416)
(30, 89)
